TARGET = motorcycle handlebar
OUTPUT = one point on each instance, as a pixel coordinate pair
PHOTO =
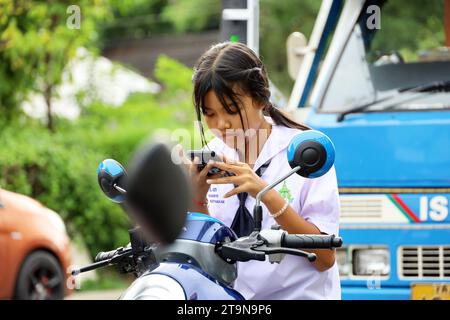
(104, 259)
(303, 241)
(101, 256)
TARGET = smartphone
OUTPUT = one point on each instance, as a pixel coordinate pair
(205, 156)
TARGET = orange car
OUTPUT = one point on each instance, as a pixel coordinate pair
(34, 250)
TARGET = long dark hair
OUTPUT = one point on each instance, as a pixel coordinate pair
(221, 68)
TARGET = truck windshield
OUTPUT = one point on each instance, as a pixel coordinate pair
(394, 45)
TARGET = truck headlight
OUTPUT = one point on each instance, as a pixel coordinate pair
(367, 262)
(344, 263)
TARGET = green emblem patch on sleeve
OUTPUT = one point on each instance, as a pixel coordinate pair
(286, 193)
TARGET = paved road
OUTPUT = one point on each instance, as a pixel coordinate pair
(96, 295)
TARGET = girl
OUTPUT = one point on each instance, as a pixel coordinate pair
(231, 94)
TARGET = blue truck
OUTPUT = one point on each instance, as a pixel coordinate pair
(386, 106)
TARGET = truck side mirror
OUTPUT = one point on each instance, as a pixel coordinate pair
(296, 47)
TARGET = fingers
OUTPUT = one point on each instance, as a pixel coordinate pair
(224, 180)
(227, 167)
(217, 175)
(234, 192)
(196, 161)
(210, 165)
(232, 162)
(203, 173)
(179, 156)
(193, 167)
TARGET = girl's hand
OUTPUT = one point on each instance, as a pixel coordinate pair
(197, 178)
(245, 179)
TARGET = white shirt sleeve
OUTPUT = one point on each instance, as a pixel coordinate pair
(319, 202)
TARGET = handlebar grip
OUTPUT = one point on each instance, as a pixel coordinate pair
(304, 241)
(101, 256)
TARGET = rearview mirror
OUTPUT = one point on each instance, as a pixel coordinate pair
(158, 194)
(111, 177)
(313, 151)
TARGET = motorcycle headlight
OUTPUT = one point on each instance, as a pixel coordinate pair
(367, 262)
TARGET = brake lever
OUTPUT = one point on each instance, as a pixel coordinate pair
(241, 249)
(277, 250)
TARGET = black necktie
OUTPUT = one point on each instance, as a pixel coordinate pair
(243, 223)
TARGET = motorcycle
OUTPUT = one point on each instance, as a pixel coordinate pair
(176, 255)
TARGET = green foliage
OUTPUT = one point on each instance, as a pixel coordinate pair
(194, 15)
(36, 42)
(174, 74)
(410, 27)
(60, 169)
(143, 18)
(135, 19)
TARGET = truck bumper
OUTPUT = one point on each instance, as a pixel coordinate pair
(363, 293)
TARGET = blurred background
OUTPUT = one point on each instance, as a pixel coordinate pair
(73, 93)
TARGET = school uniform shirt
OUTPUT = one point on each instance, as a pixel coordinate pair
(316, 200)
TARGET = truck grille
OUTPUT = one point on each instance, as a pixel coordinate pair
(361, 208)
(424, 262)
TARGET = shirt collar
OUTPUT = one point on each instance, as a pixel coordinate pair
(277, 141)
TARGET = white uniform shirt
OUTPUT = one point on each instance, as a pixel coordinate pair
(316, 200)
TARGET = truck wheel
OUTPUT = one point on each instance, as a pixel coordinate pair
(40, 278)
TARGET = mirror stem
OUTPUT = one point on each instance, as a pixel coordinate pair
(122, 191)
(257, 210)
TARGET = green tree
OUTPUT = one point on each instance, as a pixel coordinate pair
(60, 169)
(409, 27)
(37, 40)
(193, 15)
(135, 19)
